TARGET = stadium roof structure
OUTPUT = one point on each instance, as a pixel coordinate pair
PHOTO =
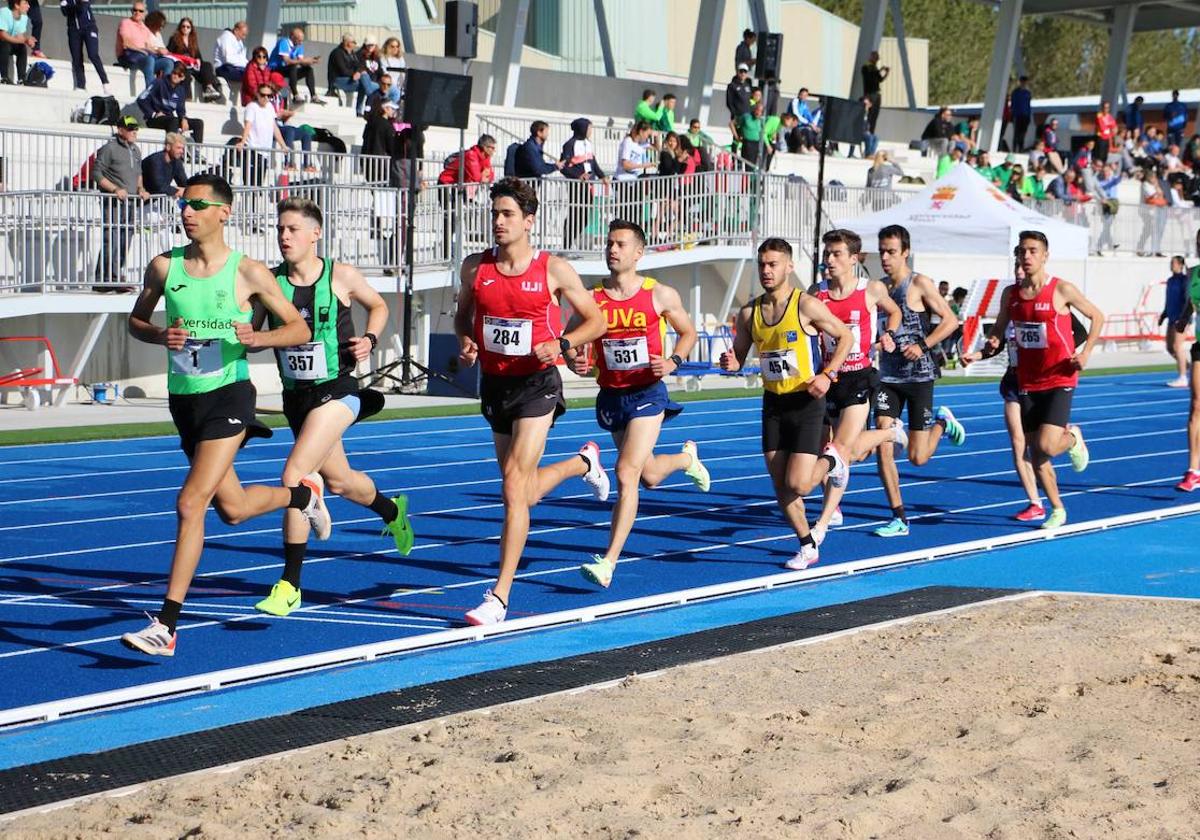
(1151, 16)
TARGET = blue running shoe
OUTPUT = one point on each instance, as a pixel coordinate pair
(895, 528)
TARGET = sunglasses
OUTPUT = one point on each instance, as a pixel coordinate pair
(198, 203)
(138, 11)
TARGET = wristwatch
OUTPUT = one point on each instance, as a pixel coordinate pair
(677, 359)
(371, 337)
(832, 373)
(563, 345)
(921, 343)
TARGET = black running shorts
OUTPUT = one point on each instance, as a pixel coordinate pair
(1051, 407)
(892, 397)
(226, 412)
(298, 403)
(503, 399)
(856, 387)
(1009, 390)
(793, 423)
(1196, 352)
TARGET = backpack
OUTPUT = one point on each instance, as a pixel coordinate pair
(82, 180)
(38, 75)
(102, 110)
(510, 160)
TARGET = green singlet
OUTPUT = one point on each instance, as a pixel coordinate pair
(212, 357)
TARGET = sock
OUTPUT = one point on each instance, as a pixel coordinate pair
(898, 513)
(301, 497)
(829, 460)
(503, 603)
(385, 507)
(807, 539)
(293, 558)
(587, 461)
(169, 614)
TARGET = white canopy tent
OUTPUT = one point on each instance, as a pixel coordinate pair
(964, 214)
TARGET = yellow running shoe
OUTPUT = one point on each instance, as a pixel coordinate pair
(283, 599)
(599, 571)
(1056, 519)
(1078, 451)
(696, 470)
(400, 528)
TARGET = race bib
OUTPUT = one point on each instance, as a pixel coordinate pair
(626, 353)
(1031, 335)
(199, 357)
(778, 365)
(855, 353)
(508, 336)
(304, 361)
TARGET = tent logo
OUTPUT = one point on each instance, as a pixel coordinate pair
(943, 194)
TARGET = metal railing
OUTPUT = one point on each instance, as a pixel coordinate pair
(606, 139)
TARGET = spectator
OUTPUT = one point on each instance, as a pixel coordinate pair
(388, 92)
(163, 172)
(1177, 309)
(938, 132)
(347, 74)
(380, 130)
(1033, 186)
(983, 165)
(303, 133)
(155, 21)
(260, 134)
(1022, 112)
(751, 132)
(737, 94)
(870, 141)
(701, 141)
(1038, 153)
(1172, 161)
(1191, 154)
(666, 122)
(1175, 113)
(1083, 158)
(789, 138)
(580, 168)
(256, 74)
(1154, 142)
(368, 54)
(531, 155)
(806, 120)
(476, 165)
(1106, 130)
(82, 32)
(229, 55)
(1135, 120)
(34, 14)
(670, 159)
(163, 104)
(948, 162)
(1105, 179)
(288, 58)
(1153, 213)
(15, 39)
(872, 80)
(1016, 180)
(633, 155)
(185, 46)
(117, 172)
(1061, 188)
(646, 111)
(770, 102)
(1050, 142)
(132, 45)
(882, 171)
(744, 54)
(392, 60)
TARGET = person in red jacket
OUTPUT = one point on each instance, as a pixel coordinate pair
(258, 74)
(1106, 129)
(476, 165)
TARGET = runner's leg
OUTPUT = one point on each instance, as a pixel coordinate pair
(1194, 420)
(791, 474)
(524, 484)
(1020, 452)
(635, 447)
(885, 462)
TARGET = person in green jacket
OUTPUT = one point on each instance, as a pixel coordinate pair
(948, 162)
(1031, 186)
(646, 110)
(666, 122)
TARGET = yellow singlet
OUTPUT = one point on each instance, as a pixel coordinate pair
(789, 357)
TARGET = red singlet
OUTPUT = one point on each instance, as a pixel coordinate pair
(859, 316)
(635, 331)
(1044, 340)
(512, 314)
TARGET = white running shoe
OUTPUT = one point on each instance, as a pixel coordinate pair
(837, 518)
(696, 470)
(818, 534)
(154, 639)
(900, 435)
(316, 513)
(1181, 382)
(595, 477)
(491, 611)
(839, 476)
(802, 559)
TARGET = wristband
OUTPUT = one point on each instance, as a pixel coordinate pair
(921, 343)
(892, 333)
(563, 345)
(371, 337)
(677, 359)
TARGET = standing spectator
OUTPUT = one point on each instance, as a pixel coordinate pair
(870, 141)
(633, 155)
(35, 27)
(288, 58)
(1022, 112)
(1153, 211)
(82, 32)
(257, 74)
(117, 173)
(476, 165)
(260, 134)
(163, 172)
(347, 74)
(163, 104)
(580, 168)
(132, 50)
(15, 40)
(645, 110)
(229, 55)
(666, 119)
(1177, 310)
(1135, 120)
(1050, 139)
(368, 54)
(744, 53)
(751, 131)
(737, 94)
(872, 80)
(1175, 113)
(185, 44)
(1108, 179)
(1106, 130)
(531, 155)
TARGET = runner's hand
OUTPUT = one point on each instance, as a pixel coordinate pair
(662, 367)
(887, 344)
(971, 358)
(729, 361)
(360, 347)
(1080, 359)
(818, 386)
(245, 334)
(579, 363)
(547, 352)
(912, 352)
(176, 335)
(468, 351)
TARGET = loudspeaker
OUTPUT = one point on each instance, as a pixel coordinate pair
(432, 98)
(844, 119)
(769, 56)
(462, 29)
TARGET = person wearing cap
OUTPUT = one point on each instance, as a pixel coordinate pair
(737, 94)
(117, 173)
(368, 54)
(347, 73)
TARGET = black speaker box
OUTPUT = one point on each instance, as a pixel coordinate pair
(770, 55)
(844, 119)
(432, 98)
(462, 29)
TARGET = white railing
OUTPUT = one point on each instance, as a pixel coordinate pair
(606, 139)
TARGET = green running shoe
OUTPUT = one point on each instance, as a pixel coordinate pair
(696, 470)
(896, 528)
(599, 571)
(399, 528)
(1078, 452)
(1056, 519)
(283, 599)
(954, 429)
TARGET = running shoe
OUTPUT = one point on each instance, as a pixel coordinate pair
(818, 533)
(399, 528)
(491, 611)
(599, 571)
(154, 639)
(837, 518)
(1191, 481)
(1056, 519)
(896, 528)
(1034, 513)
(283, 599)
(802, 559)
(316, 513)
(839, 476)
(1078, 451)
(900, 435)
(696, 470)
(954, 429)
(1180, 382)
(595, 477)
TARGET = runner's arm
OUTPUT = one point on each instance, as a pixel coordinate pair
(670, 307)
(733, 361)
(139, 324)
(464, 313)
(1074, 298)
(877, 293)
(995, 337)
(935, 304)
(564, 280)
(820, 317)
(359, 290)
(263, 288)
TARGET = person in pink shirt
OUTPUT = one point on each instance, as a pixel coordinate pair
(1106, 129)
(133, 44)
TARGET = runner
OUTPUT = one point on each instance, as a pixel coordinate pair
(1191, 478)
(848, 403)
(633, 402)
(906, 374)
(1048, 362)
(321, 397)
(785, 325)
(509, 319)
(209, 290)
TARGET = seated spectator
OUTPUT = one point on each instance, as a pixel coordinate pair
(392, 59)
(229, 55)
(870, 141)
(163, 172)
(1191, 153)
(15, 40)
(948, 162)
(967, 131)
(882, 171)
(388, 92)
(809, 129)
(347, 74)
(531, 155)
(670, 159)
(164, 104)
(983, 165)
(1083, 158)
(702, 144)
(476, 164)
(633, 155)
(133, 43)
(184, 46)
(291, 133)
(155, 21)
(1033, 186)
(938, 132)
(257, 74)
(1065, 188)
(1050, 136)
(82, 32)
(1155, 145)
(789, 138)
(368, 54)
(1037, 154)
(1016, 180)
(288, 59)
(380, 130)
(1172, 161)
